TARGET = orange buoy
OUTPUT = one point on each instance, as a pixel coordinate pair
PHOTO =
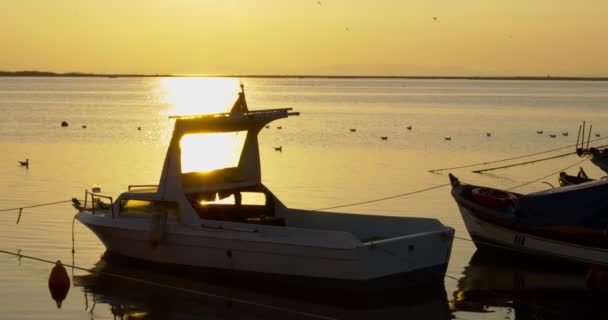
(59, 283)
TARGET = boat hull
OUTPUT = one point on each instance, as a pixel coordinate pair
(488, 235)
(383, 263)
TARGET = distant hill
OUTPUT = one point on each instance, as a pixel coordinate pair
(80, 74)
(71, 74)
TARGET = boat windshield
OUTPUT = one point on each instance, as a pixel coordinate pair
(205, 152)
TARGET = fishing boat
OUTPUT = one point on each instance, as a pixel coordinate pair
(227, 220)
(568, 223)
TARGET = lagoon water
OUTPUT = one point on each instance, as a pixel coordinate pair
(322, 165)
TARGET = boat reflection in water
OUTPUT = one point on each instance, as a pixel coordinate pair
(136, 291)
(530, 289)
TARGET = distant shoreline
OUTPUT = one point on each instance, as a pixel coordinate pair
(98, 75)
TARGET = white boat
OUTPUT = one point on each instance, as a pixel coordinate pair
(566, 223)
(173, 222)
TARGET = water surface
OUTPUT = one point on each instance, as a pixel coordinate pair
(322, 165)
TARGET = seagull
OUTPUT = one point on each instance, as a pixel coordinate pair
(384, 138)
(25, 163)
(279, 149)
(353, 130)
(447, 138)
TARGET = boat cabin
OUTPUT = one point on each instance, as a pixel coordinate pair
(233, 193)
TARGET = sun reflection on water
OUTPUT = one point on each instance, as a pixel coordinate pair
(191, 96)
(195, 96)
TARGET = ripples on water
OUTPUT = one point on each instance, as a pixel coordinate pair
(322, 164)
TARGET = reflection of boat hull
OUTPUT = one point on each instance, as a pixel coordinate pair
(162, 296)
(411, 260)
(488, 235)
(532, 290)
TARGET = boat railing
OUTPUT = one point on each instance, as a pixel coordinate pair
(131, 186)
(96, 202)
(225, 114)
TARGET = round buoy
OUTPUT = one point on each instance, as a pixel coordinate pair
(59, 283)
(64, 124)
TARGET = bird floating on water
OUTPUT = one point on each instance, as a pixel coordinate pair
(25, 163)
(267, 126)
(552, 135)
(84, 126)
(447, 138)
(384, 137)
(597, 135)
(279, 149)
(409, 127)
(539, 131)
(138, 128)
(279, 127)
(488, 134)
(353, 130)
(64, 123)
(565, 133)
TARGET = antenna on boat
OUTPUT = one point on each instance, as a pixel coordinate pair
(578, 137)
(582, 141)
(589, 137)
(240, 105)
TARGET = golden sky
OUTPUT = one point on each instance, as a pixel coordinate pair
(290, 37)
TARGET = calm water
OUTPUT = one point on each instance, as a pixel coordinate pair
(322, 165)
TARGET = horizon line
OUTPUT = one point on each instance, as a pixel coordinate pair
(27, 73)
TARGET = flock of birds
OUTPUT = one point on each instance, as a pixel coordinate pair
(64, 124)
(564, 133)
(488, 134)
(26, 163)
(84, 126)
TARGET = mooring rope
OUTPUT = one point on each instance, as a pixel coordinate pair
(513, 158)
(523, 163)
(36, 205)
(176, 288)
(385, 198)
(547, 176)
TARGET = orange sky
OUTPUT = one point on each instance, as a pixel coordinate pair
(335, 37)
